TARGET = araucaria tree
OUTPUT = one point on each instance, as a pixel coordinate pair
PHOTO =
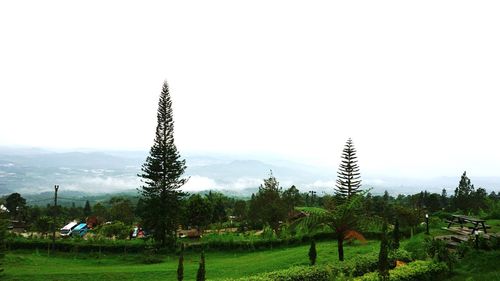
(348, 176)
(162, 178)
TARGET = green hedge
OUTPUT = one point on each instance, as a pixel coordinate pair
(415, 271)
(79, 245)
(297, 273)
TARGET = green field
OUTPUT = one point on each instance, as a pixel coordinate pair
(26, 265)
(36, 265)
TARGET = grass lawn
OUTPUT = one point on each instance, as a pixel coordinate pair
(29, 265)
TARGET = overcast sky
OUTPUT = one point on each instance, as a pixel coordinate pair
(415, 84)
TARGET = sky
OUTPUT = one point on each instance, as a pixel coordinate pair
(413, 83)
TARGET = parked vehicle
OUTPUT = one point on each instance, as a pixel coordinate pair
(80, 230)
(67, 229)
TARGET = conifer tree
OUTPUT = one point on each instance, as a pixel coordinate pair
(200, 275)
(180, 267)
(395, 235)
(87, 210)
(162, 177)
(348, 176)
(383, 260)
(463, 194)
(312, 253)
(268, 205)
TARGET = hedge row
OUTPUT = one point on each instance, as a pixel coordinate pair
(297, 273)
(86, 246)
(359, 266)
(120, 246)
(134, 246)
(415, 271)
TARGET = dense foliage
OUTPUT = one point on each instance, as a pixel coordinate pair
(415, 271)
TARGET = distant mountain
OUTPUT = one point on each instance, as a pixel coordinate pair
(32, 171)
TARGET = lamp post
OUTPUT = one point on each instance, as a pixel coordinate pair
(427, 224)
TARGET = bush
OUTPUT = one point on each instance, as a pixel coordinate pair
(83, 246)
(415, 271)
(312, 253)
(401, 255)
(114, 230)
(416, 249)
(298, 273)
(464, 248)
(495, 242)
(437, 249)
(442, 215)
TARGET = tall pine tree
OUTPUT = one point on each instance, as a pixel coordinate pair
(348, 176)
(162, 177)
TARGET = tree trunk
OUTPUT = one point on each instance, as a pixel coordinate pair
(340, 245)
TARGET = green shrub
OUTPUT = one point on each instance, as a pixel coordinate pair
(312, 253)
(415, 271)
(416, 249)
(401, 255)
(464, 248)
(298, 273)
(437, 249)
(84, 246)
(117, 230)
(495, 242)
(443, 215)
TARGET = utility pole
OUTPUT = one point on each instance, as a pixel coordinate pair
(56, 188)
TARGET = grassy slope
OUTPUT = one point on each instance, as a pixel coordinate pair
(220, 265)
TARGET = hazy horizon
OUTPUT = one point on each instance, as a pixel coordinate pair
(35, 170)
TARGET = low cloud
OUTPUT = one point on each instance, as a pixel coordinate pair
(199, 183)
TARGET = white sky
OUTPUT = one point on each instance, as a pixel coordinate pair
(415, 84)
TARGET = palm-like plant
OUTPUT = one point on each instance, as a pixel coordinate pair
(343, 220)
